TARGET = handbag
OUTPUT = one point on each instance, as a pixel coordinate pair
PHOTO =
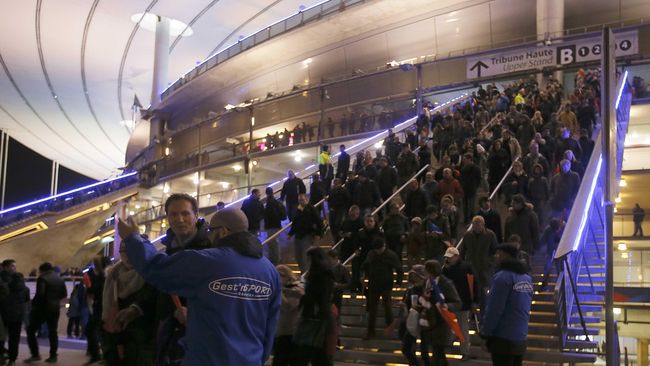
(413, 322)
(311, 332)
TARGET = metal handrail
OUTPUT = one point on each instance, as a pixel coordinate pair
(490, 197)
(285, 227)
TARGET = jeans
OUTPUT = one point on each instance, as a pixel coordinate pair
(373, 303)
(271, 250)
(36, 319)
(301, 245)
(73, 326)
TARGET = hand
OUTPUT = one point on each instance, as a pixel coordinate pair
(442, 307)
(126, 316)
(126, 228)
(181, 315)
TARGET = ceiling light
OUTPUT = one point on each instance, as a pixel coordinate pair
(255, 162)
(451, 20)
(167, 151)
(617, 311)
(298, 159)
(224, 185)
(163, 225)
(149, 21)
(622, 247)
(229, 106)
(137, 207)
(622, 183)
(618, 199)
(131, 213)
(236, 167)
(166, 188)
(379, 145)
(624, 255)
(307, 61)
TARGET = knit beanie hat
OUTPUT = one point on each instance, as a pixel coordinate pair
(231, 218)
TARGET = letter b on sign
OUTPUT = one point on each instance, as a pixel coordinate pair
(566, 55)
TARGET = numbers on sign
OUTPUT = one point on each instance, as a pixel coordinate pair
(583, 51)
(596, 49)
(626, 45)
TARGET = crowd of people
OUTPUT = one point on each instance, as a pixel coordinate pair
(216, 295)
(535, 141)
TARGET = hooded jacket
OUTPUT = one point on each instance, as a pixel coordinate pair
(507, 310)
(233, 297)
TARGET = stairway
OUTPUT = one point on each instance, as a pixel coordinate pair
(543, 341)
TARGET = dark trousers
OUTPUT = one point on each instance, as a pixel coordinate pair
(394, 243)
(13, 330)
(506, 360)
(428, 343)
(373, 303)
(36, 319)
(336, 219)
(469, 202)
(93, 329)
(284, 351)
(637, 229)
(408, 348)
(313, 356)
(73, 326)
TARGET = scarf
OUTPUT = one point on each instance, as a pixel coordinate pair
(121, 281)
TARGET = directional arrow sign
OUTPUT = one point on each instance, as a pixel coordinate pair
(478, 65)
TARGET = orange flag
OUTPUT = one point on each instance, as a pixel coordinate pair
(452, 321)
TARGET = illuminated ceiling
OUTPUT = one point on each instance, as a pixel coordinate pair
(69, 69)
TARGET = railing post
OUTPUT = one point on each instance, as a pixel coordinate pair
(575, 297)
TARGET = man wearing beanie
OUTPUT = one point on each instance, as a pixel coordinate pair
(233, 292)
(507, 312)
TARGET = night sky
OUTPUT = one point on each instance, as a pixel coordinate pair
(29, 176)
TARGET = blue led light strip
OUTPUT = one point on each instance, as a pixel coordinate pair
(68, 192)
(620, 88)
(359, 143)
(590, 196)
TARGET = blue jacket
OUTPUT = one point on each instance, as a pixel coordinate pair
(233, 297)
(507, 310)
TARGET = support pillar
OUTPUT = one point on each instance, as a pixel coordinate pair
(160, 61)
(418, 91)
(550, 23)
(608, 98)
(4, 144)
(54, 186)
(642, 352)
(114, 249)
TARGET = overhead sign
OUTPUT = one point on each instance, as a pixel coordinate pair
(627, 43)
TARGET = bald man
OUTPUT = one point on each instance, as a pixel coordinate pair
(233, 293)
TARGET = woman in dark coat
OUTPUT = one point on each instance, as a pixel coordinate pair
(498, 164)
(317, 304)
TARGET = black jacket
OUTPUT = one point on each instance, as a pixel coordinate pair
(416, 204)
(492, 222)
(306, 222)
(343, 165)
(50, 290)
(366, 194)
(339, 199)
(12, 307)
(274, 213)
(470, 179)
(291, 189)
(458, 274)
(387, 180)
(254, 210)
(380, 267)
